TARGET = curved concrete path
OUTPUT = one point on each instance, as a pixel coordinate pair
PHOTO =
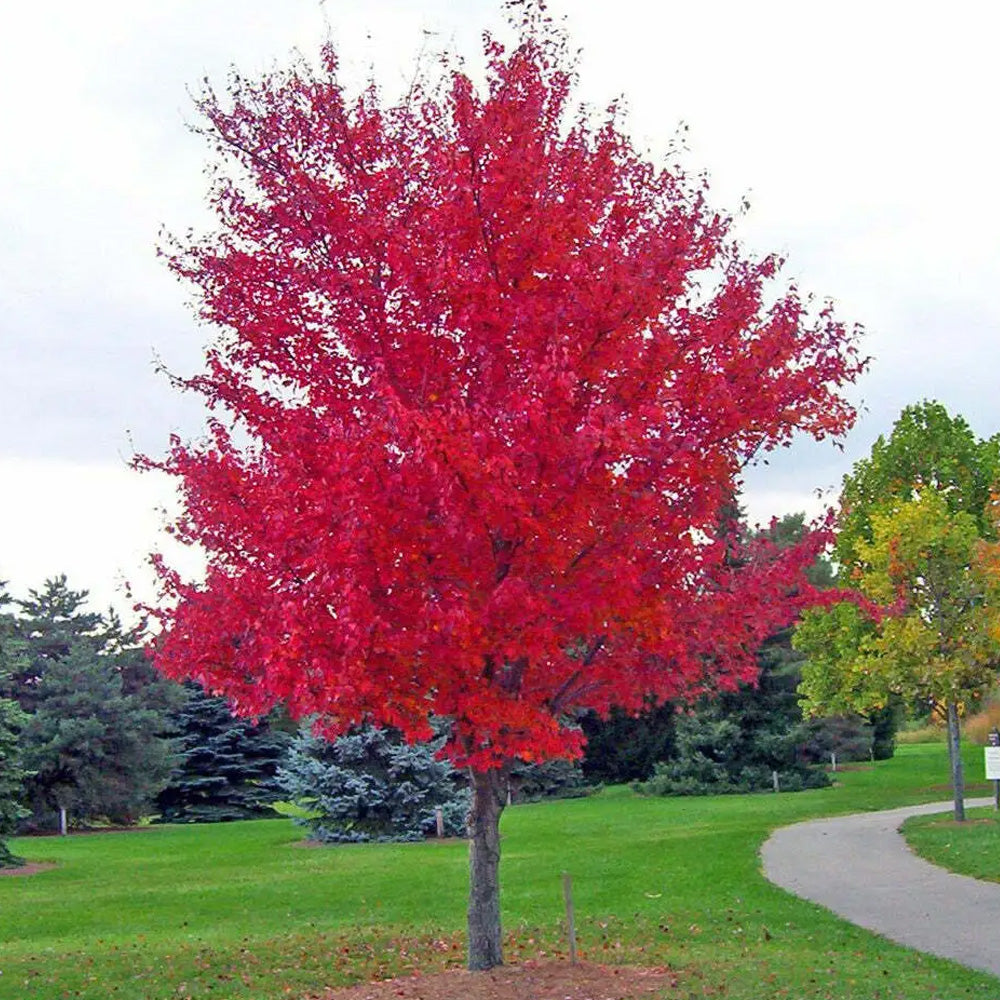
(859, 867)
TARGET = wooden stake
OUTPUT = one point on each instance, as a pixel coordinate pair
(439, 820)
(570, 921)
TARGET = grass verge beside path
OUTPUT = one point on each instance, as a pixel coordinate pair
(238, 911)
(969, 848)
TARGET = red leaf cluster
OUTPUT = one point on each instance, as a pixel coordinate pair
(485, 378)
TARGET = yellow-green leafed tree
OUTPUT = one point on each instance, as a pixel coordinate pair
(936, 641)
(914, 523)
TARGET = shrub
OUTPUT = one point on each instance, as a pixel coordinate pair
(714, 757)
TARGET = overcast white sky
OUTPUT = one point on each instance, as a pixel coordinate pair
(864, 134)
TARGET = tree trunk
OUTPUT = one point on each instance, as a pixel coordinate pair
(955, 758)
(489, 793)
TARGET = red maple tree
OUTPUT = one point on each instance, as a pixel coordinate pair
(483, 382)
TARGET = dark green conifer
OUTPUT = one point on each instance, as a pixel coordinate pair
(94, 736)
(226, 766)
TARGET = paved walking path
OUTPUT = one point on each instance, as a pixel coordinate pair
(860, 868)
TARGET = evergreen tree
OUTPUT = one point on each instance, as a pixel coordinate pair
(734, 741)
(226, 767)
(625, 747)
(50, 622)
(11, 772)
(549, 779)
(372, 785)
(94, 733)
(92, 749)
(11, 778)
(139, 677)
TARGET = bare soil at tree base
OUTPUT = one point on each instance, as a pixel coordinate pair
(530, 981)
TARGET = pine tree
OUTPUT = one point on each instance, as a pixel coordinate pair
(11, 778)
(11, 721)
(735, 741)
(93, 739)
(226, 767)
(548, 779)
(93, 750)
(49, 623)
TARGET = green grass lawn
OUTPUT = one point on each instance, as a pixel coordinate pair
(969, 848)
(239, 911)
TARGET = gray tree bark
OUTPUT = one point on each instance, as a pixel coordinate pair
(489, 794)
(955, 759)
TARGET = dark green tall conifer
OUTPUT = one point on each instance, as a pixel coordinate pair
(94, 736)
(623, 748)
(11, 772)
(11, 777)
(226, 766)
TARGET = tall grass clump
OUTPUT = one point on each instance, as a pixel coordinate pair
(977, 727)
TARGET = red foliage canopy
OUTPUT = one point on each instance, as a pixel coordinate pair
(485, 379)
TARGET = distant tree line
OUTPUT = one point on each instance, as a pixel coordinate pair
(739, 741)
(90, 734)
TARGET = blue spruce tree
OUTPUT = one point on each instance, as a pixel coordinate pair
(372, 785)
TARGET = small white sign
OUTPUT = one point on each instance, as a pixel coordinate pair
(992, 763)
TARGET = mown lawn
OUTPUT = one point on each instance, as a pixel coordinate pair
(969, 848)
(240, 911)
